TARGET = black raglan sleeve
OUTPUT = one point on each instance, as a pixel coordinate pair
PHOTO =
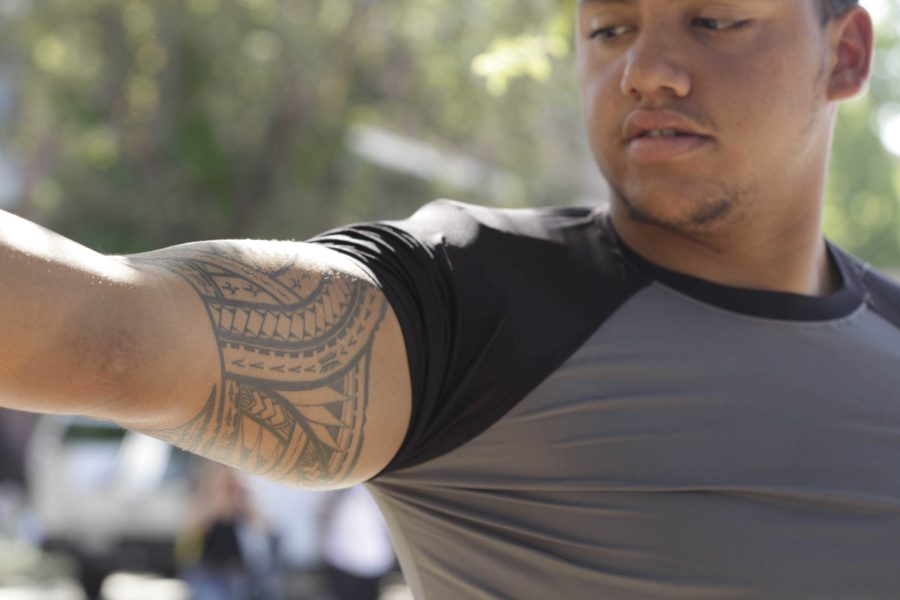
(489, 302)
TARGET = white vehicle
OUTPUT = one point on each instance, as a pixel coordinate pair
(115, 499)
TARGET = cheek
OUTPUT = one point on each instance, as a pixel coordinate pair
(591, 83)
(762, 103)
(603, 107)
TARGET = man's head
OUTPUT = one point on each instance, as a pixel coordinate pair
(701, 112)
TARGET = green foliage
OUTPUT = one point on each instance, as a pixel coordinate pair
(862, 212)
(144, 123)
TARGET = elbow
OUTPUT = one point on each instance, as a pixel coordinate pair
(103, 370)
(114, 365)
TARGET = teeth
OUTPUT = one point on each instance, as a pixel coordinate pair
(661, 133)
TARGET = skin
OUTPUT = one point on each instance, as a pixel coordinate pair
(286, 360)
(279, 358)
(761, 80)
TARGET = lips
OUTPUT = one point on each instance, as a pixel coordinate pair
(644, 122)
(654, 136)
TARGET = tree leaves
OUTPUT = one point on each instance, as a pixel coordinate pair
(144, 123)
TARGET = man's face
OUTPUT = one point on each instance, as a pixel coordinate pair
(697, 110)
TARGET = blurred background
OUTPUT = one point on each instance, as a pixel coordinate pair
(128, 125)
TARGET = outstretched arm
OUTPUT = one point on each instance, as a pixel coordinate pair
(281, 358)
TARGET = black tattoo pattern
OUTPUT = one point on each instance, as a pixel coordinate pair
(295, 349)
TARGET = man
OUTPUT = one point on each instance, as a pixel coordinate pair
(690, 396)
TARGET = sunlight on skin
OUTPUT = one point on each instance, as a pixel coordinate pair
(35, 243)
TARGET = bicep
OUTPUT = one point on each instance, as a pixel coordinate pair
(283, 359)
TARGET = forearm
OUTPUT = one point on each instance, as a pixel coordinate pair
(60, 347)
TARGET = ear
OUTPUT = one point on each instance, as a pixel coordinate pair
(852, 45)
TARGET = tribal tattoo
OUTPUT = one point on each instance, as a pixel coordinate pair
(295, 348)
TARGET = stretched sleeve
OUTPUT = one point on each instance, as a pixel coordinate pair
(489, 302)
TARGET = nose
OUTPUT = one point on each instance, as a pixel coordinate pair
(654, 69)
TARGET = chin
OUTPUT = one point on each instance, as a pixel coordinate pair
(685, 213)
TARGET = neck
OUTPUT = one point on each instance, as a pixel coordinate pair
(772, 254)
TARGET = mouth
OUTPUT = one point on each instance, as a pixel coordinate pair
(663, 133)
(659, 136)
(657, 148)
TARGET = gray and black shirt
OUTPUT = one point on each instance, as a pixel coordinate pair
(588, 425)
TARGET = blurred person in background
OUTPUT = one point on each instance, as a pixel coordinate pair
(294, 515)
(228, 548)
(15, 514)
(15, 431)
(21, 531)
(356, 545)
(688, 395)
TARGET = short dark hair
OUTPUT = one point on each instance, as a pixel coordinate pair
(834, 8)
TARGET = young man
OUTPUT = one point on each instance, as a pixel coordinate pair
(692, 395)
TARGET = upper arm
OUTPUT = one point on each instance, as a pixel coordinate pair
(281, 358)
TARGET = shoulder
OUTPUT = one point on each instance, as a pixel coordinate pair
(883, 295)
(566, 245)
(491, 301)
(881, 292)
(459, 222)
(561, 253)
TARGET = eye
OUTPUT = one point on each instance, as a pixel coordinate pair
(610, 33)
(720, 24)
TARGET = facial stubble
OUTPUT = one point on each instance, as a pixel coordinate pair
(718, 206)
(723, 205)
